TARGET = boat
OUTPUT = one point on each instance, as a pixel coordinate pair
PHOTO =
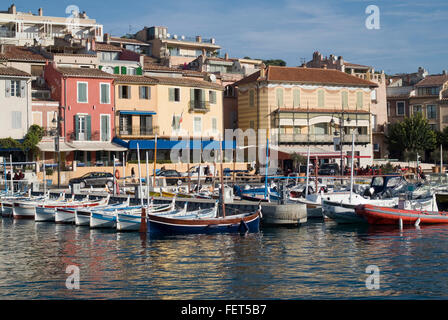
(384, 215)
(82, 215)
(67, 215)
(242, 223)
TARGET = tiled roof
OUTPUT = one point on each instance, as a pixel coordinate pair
(84, 73)
(86, 55)
(188, 82)
(134, 79)
(14, 53)
(433, 80)
(101, 46)
(13, 72)
(307, 76)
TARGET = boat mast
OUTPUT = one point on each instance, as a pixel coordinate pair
(266, 170)
(155, 161)
(139, 175)
(147, 179)
(307, 171)
(222, 182)
(352, 165)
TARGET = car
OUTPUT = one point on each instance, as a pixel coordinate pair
(204, 176)
(94, 179)
(329, 169)
(171, 176)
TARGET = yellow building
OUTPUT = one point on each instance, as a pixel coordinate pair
(304, 106)
(169, 107)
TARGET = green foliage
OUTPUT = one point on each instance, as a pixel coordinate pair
(298, 159)
(274, 62)
(10, 143)
(387, 168)
(32, 138)
(412, 136)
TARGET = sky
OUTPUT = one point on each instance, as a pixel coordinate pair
(411, 33)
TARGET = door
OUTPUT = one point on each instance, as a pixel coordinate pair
(105, 127)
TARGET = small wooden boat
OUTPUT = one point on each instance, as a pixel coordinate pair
(384, 215)
(67, 215)
(242, 223)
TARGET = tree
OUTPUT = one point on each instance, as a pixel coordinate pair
(30, 142)
(274, 62)
(297, 159)
(412, 136)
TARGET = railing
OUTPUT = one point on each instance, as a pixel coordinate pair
(137, 131)
(199, 106)
(320, 138)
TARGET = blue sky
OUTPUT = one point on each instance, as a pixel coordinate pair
(412, 33)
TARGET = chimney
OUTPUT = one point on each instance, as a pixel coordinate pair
(198, 39)
(262, 71)
(93, 47)
(106, 38)
(12, 9)
(41, 12)
(226, 56)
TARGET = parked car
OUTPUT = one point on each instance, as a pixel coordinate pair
(329, 169)
(94, 179)
(171, 176)
(204, 176)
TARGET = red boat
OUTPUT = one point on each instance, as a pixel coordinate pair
(385, 215)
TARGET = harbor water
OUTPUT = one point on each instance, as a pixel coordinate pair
(318, 260)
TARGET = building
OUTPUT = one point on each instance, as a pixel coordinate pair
(303, 106)
(22, 28)
(398, 103)
(86, 115)
(15, 99)
(176, 50)
(431, 99)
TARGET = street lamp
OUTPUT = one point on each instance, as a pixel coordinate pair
(56, 145)
(341, 139)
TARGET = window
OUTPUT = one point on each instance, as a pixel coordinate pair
(433, 127)
(146, 125)
(105, 93)
(279, 97)
(417, 109)
(131, 71)
(344, 98)
(400, 108)
(105, 127)
(124, 92)
(296, 97)
(37, 118)
(176, 122)
(82, 127)
(212, 95)
(174, 94)
(374, 122)
(14, 88)
(125, 124)
(429, 91)
(359, 100)
(431, 111)
(252, 98)
(252, 124)
(320, 98)
(214, 125)
(376, 147)
(388, 108)
(16, 120)
(197, 128)
(145, 92)
(373, 95)
(82, 92)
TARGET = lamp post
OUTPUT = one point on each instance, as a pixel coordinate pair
(56, 144)
(342, 133)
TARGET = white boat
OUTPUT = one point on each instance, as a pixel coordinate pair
(82, 215)
(130, 220)
(313, 202)
(67, 215)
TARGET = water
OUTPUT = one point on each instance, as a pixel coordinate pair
(319, 260)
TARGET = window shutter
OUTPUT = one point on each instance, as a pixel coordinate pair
(23, 91)
(139, 71)
(202, 98)
(116, 70)
(192, 97)
(149, 92)
(7, 88)
(100, 67)
(296, 98)
(89, 127)
(171, 94)
(120, 92)
(123, 70)
(76, 127)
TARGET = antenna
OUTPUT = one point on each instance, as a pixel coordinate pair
(302, 60)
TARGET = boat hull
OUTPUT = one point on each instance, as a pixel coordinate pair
(23, 210)
(236, 224)
(392, 216)
(7, 209)
(44, 214)
(64, 216)
(341, 213)
(128, 222)
(82, 218)
(101, 220)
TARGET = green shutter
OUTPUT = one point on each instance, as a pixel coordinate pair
(296, 98)
(139, 71)
(89, 127)
(124, 70)
(76, 127)
(116, 70)
(100, 67)
(171, 94)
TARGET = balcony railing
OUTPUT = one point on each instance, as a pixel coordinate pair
(198, 106)
(320, 138)
(137, 131)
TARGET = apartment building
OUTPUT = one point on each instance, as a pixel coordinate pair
(26, 28)
(303, 106)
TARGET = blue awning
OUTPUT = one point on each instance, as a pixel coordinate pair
(165, 144)
(142, 113)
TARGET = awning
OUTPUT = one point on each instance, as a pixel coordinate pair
(142, 113)
(303, 150)
(96, 146)
(165, 144)
(48, 146)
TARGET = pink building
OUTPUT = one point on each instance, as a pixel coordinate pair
(86, 97)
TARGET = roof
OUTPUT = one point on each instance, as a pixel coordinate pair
(101, 46)
(84, 72)
(433, 80)
(13, 72)
(188, 82)
(354, 65)
(307, 76)
(14, 53)
(130, 41)
(134, 79)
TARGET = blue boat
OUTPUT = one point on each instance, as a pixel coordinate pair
(257, 194)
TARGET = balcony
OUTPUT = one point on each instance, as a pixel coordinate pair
(7, 34)
(196, 106)
(137, 132)
(321, 138)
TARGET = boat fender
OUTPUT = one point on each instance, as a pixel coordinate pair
(243, 225)
(117, 174)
